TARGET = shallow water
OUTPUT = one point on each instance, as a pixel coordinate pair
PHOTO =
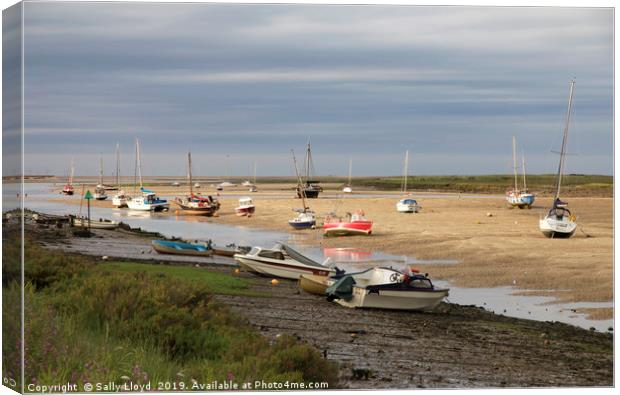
(501, 300)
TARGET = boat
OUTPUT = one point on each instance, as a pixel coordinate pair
(120, 198)
(100, 192)
(149, 201)
(197, 185)
(245, 207)
(406, 204)
(353, 224)
(517, 197)
(348, 188)
(181, 248)
(252, 185)
(282, 261)
(559, 221)
(313, 284)
(385, 288)
(230, 250)
(68, 188)
(176, 184)
(193, 204)
(308, 189)
(306, 219)
(93, 224)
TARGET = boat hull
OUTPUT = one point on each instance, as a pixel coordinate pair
(407, 208)
(557, 229)
(348, 228)
(119, 201)
(245, 211)
(302, 225)
(278, 268)
(80, 222)
(313, 284)
(196, 208)
(521, 201)
(171, 250)
(423, 300)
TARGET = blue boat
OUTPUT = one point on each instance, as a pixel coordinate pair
(180, 248)
(305, 220)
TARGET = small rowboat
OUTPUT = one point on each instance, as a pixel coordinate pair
(94, 224)
(180, 248)
(313, 284)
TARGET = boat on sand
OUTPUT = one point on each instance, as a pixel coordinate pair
(194, 204)
(246, 207)
(93, 224)
(351, 225)
(282, 261)
(181, 248)
(386, 288)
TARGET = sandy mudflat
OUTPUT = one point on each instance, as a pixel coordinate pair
(504, 249)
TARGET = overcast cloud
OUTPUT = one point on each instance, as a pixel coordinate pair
(246, 83)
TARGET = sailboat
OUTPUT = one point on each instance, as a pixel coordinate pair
(559, 222)
(347, 188)
(121, 198)
(194, 204)
(100, 193)
(306, 218)
(149, 201)
(68, 188)
(406, 204)
(519, 197)
(309, 188)
(252, 186)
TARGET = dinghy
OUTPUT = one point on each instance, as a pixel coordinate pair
(559, 221)
(282, 261)
(386, 288)
(230, 250)
(180, 248)
(353, 224)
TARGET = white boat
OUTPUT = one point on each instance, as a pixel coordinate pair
(306, 218)
(149, 200)
(348, 188)
(94, 224)
(559, 222)
(406, 204)
(246, 207)
(100, 193)
(517, 197)
(282, 261)
(385, 288)
(120, 198)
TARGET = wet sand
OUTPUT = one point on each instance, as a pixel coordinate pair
(503, 249)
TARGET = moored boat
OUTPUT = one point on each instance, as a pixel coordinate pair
(100, 191)
(304, 220)
(386, 288)
(559, 221)
(348, 188)
(353, 224)
(120, 198)
(282, 261)
(193, 204)
(308, 189)
(408, 205)
(93, 224)
(68, 188)
(230, 250)
(517, 197)
(181, 248)
(246, 207)
(149, 201)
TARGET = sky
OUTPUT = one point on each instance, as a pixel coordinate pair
(245, 84)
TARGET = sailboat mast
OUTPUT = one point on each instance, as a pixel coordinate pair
(189, 174)
(135, 170)
(299, 182)
(118, 166)
(101, 170)
(139, 162)
(524, 182)
(405, 169)
(254, 179)
(308, 159)
(71, 173)
(565, 138)
(350, 164)
(514, 160)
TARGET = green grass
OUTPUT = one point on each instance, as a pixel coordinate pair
(218, 283)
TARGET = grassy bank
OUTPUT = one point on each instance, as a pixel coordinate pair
(89, 322)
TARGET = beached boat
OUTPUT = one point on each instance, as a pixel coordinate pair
(246, 207)
(120, 198)
(309, 189)
(306, 219)
(230, 250)
(94, 223)
(314, 284)
(385, 288)
(180, 248)
(100, 192)
(348, 188)
(559, 221)
(517, 197)
(68, 188)
(193, 204)
(351, 225)
(281, 261)
(149, 201)
(406, 204)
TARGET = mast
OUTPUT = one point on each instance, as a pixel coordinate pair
(71, 174)
(565, 139)
(118, 167)
(350, 164)
(101, 170)
(405, 168)
(135, 170)
(514, 160)
(524, 182)
(254, 179)
(308, 159)
(299, 182)
(139, 162)
(189, 173)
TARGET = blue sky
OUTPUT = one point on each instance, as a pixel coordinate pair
(240, 84)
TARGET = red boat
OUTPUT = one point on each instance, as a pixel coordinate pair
(354, 224)
(245, 208)
(68, 190)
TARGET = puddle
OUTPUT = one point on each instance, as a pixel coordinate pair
(499, 300)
